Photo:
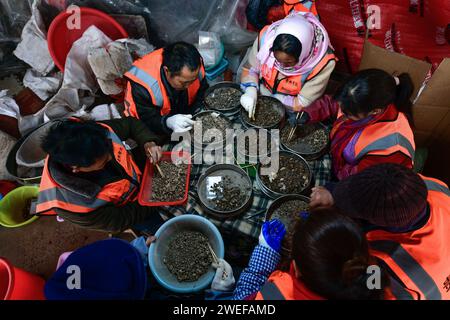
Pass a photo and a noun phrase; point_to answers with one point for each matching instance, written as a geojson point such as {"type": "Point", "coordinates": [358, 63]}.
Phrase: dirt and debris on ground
{"type": "Point", "coordinates": [188, 256]}
{"type": "Point", "coordinates": [172, 186]}
{"type": "Point", "coordinates": [37, 246]}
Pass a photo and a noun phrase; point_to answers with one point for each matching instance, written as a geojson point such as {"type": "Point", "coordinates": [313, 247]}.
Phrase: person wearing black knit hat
{"type": "Point", "coordinates": [389, 196]}
{"type": "Point", "coordinates": [407, 220]}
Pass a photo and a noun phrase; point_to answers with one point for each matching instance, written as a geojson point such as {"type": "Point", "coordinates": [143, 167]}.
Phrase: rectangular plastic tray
{"type": "Point", "coordinates": [145, 193]}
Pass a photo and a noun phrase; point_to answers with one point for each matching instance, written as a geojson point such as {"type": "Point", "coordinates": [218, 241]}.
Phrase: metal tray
{"type": "Point", "coordinates": [240, 179]}
{"type": "Point", "coordinates": [273, 194]}
{"type": "Point", "coordinates": [277, 105]}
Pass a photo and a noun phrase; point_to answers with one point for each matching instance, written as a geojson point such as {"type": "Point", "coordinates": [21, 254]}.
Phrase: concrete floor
{"type": "Point", "coordinates": [37, 246]}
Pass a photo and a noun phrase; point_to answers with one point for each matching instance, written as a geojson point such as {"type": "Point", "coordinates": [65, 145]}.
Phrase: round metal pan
{"type": "Point", "coordinates": [273, 194]}
{"type": "Point", "coordinates": [214, 143]}
{"type": "Point", "coordinates": [303, 149]}
{"type": "Point", "coordinates": [277, 105]}
{"type": "Point", "coordinates": [224, 84]}
{"type": "Point", "coordinates": [276, 204]}
{"type": "Point", "coordinates": [239, 179]}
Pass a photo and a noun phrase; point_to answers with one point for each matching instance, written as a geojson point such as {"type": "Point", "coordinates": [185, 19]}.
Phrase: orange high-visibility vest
{"type": "Point", "coordinates": [289, 85]}
{"type": "Point", "coordinates": [383, 138]}
{"type": "Point", "coordinates": [300, 6]}
{"type": "Point", "coordinates": [53, 196]}
{"type": "Point", "coordinates": [420, 259]}
{"type": "Point", "coordinates": [147, 72]}
{"type": "Point", "coordinates": [285, 286]}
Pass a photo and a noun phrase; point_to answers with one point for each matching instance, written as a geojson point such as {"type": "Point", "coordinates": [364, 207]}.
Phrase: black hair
{"type": "Point", "coordinates": [73, 143]}
{"type": "Point", "coordinates": [374, 88]}
{"type": "Point", "coordinates": [288, 44]}
{"type": "Point", "coordinates": [181, 54]}
{"type": "Point", "coordinates": [332, 255]}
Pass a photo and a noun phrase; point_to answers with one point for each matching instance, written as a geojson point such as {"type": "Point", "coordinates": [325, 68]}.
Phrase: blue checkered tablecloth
{"type": "Point", "coordinates": [249, 223]}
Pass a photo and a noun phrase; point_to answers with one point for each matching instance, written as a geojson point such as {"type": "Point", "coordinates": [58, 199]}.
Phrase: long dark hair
{"type": "Point", "coordinates": [332, 255]}
{"type": "Point", "coordinates": [374, 88]}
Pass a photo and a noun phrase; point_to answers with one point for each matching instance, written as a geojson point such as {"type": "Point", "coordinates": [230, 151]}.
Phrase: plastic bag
{"type": "Point", "coordinates": [129, 7]}
{"type": "Point", "coordinates": [42, 86]}
{"type": "Point", "coordinates": [79, 84]}
{"type": "Point", "coordinates": [182, 20]}
{"type": "Point", "coordinates": [230, 22]}
{"type": "Point", "coordinates": [210, 48]}
{"type": "Point", "coordinates": [8, 105]}
{"type": "Point", "coordinates": [177, 20]}
{"type": "Point", "coordinates": [13, 17]}
{"type": "Point", "coordinates": [34, 35]}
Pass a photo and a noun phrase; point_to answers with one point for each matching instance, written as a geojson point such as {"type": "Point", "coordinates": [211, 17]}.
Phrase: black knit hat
{"type": "Point", "coordinates": [385, 195]}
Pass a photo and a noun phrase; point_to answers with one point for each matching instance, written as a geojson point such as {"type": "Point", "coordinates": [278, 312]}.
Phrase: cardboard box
{"type": "Point", "coordinates": [431, 110]}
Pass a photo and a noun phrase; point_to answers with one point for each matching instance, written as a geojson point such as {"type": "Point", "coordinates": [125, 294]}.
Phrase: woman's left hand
{"type": "Point", "coordinates": [153, 151]}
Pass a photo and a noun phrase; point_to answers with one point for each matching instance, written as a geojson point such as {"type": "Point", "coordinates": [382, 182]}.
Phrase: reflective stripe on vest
{"type": "Point", "coordinates": [52, 196]}
{"type": "Point", "coordinates": [270, 291]}
{"type": "Point", "coordinates": [300, 6]}
{"type": "Point", "coordinates": [410, 266]}
{"type": "Point", "coordinates": [151, 83]}
{"type": "Point", "coordinates": [420, 259]}
{"type": "Point", "coordinates": [147, 73]}
{"type": "Point", "coordinates": [381, 138]}
{"type": "Point", "coordinates": [398, 291]}
{"type": "Point", "coordinates": [435, 186]}
{"type": "Point", "coordinates": [389, 141]}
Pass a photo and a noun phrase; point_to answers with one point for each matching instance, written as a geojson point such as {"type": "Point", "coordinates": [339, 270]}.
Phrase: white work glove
{"type": "Point", "coordinates": [224, 278]}
{"type": "Point", "coordinates": [248, 101]}
{"type": "Point", "coordinates": [180, 122]}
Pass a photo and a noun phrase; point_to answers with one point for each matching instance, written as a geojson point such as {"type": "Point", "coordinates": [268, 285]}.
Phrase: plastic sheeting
{"type": "Point", "coordinates": [183, 19]}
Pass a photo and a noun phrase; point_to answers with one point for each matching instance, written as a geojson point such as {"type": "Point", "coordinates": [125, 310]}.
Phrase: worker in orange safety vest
{"type": "Point", "coordinates": [90, 178]}
{"type": "Point", "coordinates": [330, 261]}
{"type": "Point", "coordinates": [166, 87]}
{"type": "Point", "coordinates": [407, 220]}
{"type": "Point", "coordinates": [292, 61]}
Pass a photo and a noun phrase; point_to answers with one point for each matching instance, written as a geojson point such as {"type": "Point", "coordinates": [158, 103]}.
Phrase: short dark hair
{"type": "Point", "coordinates": [375, 88]}
{"type": "Point", "coordinates": [181, 54]}
{"type": "Point", "coordinates": [74, 143]}
{"type": "Point", "coordinates": [332, 255]}
{"type": "Point", "coordinates": [288, 44]}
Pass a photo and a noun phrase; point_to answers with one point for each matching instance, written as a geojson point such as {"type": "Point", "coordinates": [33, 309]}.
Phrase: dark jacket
{"type": "Point", "coordinates": [111, 218]}
{"type": "Point", "coordinates": [151, 114]}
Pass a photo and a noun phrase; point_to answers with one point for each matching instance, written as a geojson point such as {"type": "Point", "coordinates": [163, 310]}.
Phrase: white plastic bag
{"type": "Point", "coordinates": [33, 48]}
{"type": "Point", "coordinates": [210, 48]}
{"type": "Point", "coordinates": [42, 86]}
{"type": "Point", "coordinates": [79, 84]}
{"type": "Point", "coordinates": [8, 105]}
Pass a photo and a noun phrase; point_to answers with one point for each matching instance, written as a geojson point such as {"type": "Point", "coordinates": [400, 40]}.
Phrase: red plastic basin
{"type": "Point", "coordinates": [60, 38]}
{"type": "Point", "coordinates": [17, 284]}
{"type": "Point", "coordinates": [145, 194]}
